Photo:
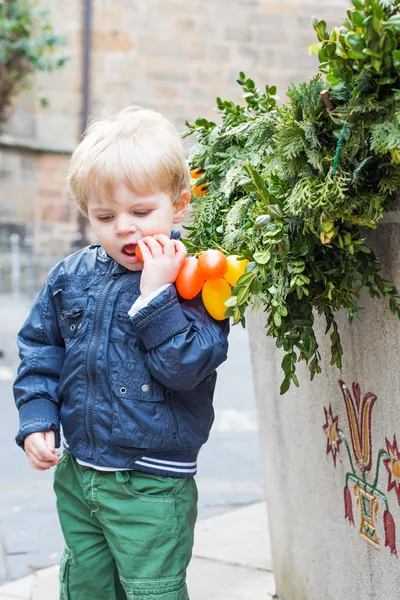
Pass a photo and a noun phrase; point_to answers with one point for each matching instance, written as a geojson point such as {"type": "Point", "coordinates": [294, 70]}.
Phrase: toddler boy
{"type": "Point", "coordinates": [112, 354]}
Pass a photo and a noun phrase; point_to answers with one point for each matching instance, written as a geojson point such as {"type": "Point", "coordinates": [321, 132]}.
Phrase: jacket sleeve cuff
{"type": "Point", "coordinates": [38, 415]}
{"type": "Point", "coordinates": [160, 320]}
{"type": "Point", "coordinates": [142, 302]}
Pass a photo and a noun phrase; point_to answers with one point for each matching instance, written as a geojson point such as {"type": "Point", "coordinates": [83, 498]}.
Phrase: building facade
{"type": "Point", "coordinates": [173, 56]}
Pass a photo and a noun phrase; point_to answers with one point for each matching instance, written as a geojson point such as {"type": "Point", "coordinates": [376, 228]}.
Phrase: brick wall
{"type": "Point", "coordinates": [175, 56]}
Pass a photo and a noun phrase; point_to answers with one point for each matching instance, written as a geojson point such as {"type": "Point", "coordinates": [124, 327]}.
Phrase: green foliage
{"type": "Point", "coordinates": [27, 44]}
{"type": "Point", "coordinates": [294, 188]}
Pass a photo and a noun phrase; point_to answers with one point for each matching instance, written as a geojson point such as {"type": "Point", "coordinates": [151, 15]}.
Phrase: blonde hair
{"type": "Point", "coordinates": [137, 147]}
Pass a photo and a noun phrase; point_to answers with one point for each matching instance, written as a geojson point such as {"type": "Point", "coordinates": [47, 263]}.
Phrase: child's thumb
{"type": "Point", "coordinates": [50, 440]}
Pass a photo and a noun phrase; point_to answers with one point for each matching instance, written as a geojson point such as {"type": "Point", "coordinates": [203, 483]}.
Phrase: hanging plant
{"type": "Point", "coordinates": [294, 189]}
{"type": "Point", "coordinates": [27, 44]}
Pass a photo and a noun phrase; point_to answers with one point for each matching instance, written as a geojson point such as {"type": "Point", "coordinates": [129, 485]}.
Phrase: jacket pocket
{"type": "Point", "coordinates": [140, 413]}
{"type": "Point", "coordinates": [73, 318]}
{"type": "Point", "coordinates": [122, 330]}
{"type": "Point", "coordinates": [137, 424]}
{"type": "Point", "coordinates": [131, 380]}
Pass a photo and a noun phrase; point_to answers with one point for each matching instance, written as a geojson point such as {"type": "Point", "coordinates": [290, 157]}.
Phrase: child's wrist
{"type": "Point", "coordinates": [150, 290]}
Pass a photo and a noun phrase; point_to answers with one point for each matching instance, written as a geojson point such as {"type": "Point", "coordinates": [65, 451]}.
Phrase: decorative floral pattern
{"type": "Point", "coordinates": [392, 464]}
{"type": "Point", "coordinates": [331, 430]}
{"type": "Point", "coordinates": [368, 495]}
{"type": "Point", "coordinates": [359, 415]}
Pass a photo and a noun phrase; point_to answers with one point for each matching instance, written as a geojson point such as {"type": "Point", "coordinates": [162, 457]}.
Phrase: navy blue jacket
{"type": "Point", "coordinates": [130, 392]}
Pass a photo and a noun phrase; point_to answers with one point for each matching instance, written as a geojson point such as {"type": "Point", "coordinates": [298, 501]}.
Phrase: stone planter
{"type": "Point", "coordinates": [313, 477]}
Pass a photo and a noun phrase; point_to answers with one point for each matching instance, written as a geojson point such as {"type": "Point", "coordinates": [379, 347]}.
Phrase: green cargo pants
{"type": "Point", "coordinates": [128, 535]}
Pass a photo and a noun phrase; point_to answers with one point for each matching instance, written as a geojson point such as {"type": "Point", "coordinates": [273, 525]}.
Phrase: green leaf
{"type": "Point", "coordinates": [262, 258]}
{"type": "Point", "coordinates": [245, 279]}
{"type": "Point", "coordinates": [285, 385]}
{"type": "Point", "coordinates": [396, 59]}
{"type": "Point", "coordinates": [232, 301]}
{"type": "Point", "coordinates": [369, 52]}
{"type": "Point", "coordinates": [256, 287]}
{"type": "Point", "coordinates": [355, 42]}
{"type": "Point", "coordinates": [356, 55]}
{"type": "Point", "coordinates": [237, 315]}
{"type": "Point", "coordinates": [287, 363]}
{"type": "Point", "coordinates": [230, 311]}
{"type": "Point", "coordinates": [243, 295]}
{"type": "Point", "coordinates": [262, 221]}
{"type": "Point", "coordinates": [357, 17]}
{"type": "Point", "coordinates": [314, 49]}
{"type": "Point", "coordinates": [275, 211]}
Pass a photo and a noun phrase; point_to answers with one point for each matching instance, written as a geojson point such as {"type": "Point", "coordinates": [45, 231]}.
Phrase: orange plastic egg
{"type": "Point", "coordinates": [190, 280]}
{"type": "Point", "coordinates": [212, 264]}
{"type": "Point", "coordinates": [138, 253]}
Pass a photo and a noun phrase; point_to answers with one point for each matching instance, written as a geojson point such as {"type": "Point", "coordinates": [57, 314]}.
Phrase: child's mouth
{"type": "Point", "coordinates": [129, 252]}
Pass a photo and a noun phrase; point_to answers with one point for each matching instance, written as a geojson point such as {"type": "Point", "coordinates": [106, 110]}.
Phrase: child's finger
{"type": "Point", "coordinates": [40, 465]}
{"type": "Point", "coordinates": [31, 452]}
{"type": "Point", "coordinates": [50, 439]}
{"type": "Point", "coordinates": [155, 247]}
{"type": "Point", "coordinates": [146, 254]}
{"type": "Point", "coordinates": [167, 244]}
{"type": "Point", "coordinates": [40, 446]}
{"type": "Point", "coordinates": [34, 454]}
{"type": "Point", "coordinates": [180, 251]}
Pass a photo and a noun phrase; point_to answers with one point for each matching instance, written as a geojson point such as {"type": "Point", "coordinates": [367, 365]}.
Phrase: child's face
{"type": "Point", "coordinates": [120, 223]}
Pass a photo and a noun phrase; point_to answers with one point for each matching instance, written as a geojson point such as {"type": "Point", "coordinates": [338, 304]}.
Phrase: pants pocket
{"type": "Point", "coordinates": [65, 563]}
{"type": "Point", "coordinates": [160, 589]}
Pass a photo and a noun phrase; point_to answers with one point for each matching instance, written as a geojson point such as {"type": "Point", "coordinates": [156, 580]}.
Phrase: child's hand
{"type": "Point", "coordinates": [40, 450]}
{"type": "Point", "coordinates": [163, 259]}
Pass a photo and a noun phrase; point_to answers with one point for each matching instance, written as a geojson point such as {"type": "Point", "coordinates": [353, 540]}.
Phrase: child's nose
{"type": "Point", "coordinates": [124, 225]}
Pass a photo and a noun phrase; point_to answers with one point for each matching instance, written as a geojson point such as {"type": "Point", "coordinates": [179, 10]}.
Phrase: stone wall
{"type": "Point", "coordinates": [174, 56]}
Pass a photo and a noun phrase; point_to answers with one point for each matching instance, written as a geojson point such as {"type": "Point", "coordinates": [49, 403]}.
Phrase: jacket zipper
{"type": "Point", "coordinates": [172, 416]}
{"type": "Point", "coordinates": [91, 361]}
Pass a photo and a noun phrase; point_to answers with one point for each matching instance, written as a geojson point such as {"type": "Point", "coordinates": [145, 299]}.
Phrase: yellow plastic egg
{"type": "Point", "coordinates": [215, 293]}
{"type": "Point", "coordinates": [235, 268]}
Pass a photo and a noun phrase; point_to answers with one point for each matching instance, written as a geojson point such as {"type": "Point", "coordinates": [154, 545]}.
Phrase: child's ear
{"type": "Point", "coordinates": [180, 206]}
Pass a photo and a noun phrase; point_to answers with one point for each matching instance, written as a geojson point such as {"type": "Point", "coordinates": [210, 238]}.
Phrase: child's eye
{"type": "Point", "coordinates": [105, 219]}
{"type": "Point", "coordinates": [142, 213]}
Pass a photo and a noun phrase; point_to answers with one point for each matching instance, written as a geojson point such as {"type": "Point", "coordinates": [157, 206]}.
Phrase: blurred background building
{"type": "Point", "coordinates": [174, 56]}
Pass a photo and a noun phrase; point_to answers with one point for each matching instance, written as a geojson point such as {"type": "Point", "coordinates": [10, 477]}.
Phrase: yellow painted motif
{"type": "Point", "coordinates": [395, 469]}
{"type": "Point", "coordinates": [369, 505]}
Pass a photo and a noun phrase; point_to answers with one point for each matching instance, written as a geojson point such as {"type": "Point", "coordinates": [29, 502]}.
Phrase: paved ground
{"type": "Point", "coordinates": [229, 466]}
{"type": "Point", "coordinates": [231, 561]}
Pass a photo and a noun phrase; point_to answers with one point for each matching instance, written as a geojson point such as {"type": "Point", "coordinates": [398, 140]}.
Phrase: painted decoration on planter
{"type": "Point", "coordinates": [392, 464]}
{"type": "Point", "coordinates": [368, 496]}
{"type": "Point", "coordinates": [359, 415]}
{"type": "Point", "coordinates": [331, 430]}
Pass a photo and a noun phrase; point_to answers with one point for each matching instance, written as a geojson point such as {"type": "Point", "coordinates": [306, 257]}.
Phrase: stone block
{"type": "Point", "coordinates": [280, 8]}
{"type": "Point", "coordinates": [112, 41]}
{"type": "Point", "coordinates": [149, 44]}
{"type": "Point", "coordinates": [267, 19]}
{"type": "Point", "coordinates": [269, 36]}
{"type": "Point", "coordinates": [237, 34]}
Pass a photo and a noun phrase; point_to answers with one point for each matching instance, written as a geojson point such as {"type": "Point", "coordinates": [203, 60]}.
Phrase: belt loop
{"type": "Point", "coordinates": [122, 476]}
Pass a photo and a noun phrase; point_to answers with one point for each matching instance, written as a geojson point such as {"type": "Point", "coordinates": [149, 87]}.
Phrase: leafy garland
{"type": "Point", "coordinates": [294, 188]}
{"type": "Point", "coordinates": [27, 44]}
